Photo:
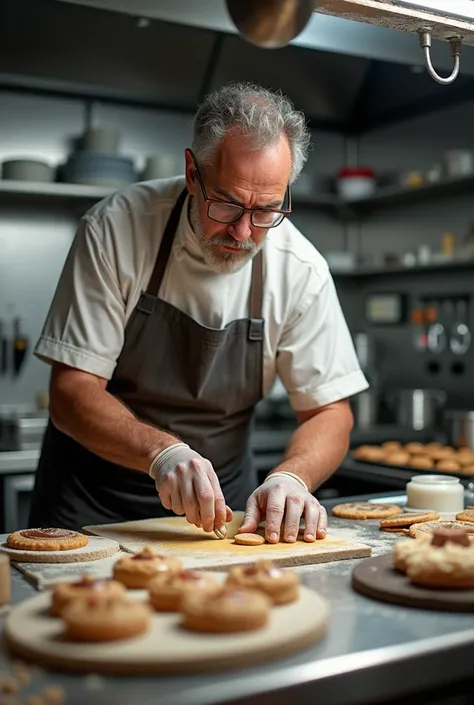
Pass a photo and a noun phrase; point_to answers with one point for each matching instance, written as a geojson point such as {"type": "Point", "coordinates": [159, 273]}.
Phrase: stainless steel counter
{"type": "Point", "coordinates": [373, 652]}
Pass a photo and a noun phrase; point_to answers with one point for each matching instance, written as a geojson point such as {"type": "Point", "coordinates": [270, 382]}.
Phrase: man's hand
{"type": "Point", "coordinates": [282, 500]}
{"type": "Point", "coordinates": [187, 484]}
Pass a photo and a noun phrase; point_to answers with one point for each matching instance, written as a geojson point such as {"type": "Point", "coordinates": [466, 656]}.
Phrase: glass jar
{"type": "Point", "coordinates": [439, 493]}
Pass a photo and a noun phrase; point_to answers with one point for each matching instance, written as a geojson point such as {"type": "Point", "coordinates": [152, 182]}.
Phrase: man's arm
{"type": "Point", "coordinates": [81, 407]}
{"type": "Point", "coordinates": [319, 444]}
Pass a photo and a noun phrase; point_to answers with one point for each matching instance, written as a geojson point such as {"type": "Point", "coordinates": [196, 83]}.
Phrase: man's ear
{"type": "Point", "coordinates": [190, 172]}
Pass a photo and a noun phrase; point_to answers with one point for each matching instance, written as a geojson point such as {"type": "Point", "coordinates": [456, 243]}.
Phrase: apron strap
{"type": "Point", "coordinates": [256, 291]}
{"type": "Point", "coordinates": [166, 245]}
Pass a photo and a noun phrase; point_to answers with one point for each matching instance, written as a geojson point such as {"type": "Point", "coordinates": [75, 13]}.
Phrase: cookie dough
{"type": "Point", "coordinates": [135, 572]}
{"type": "Point", "coordinates": [466, 515]}
{"type": "Point", "coordinates": [281, 586]}
{"type": "Point", "coordinates": [167, 590]}
{"type": "Point", "coordinates": [65, 593]}
{"type": "Point", "coordinates": [249, 539]}
{"type": "Point", "coordinates": [446, 562]}
{"type": "Point", "coordinates": [230, 610]}
{"type": "Point", "coordinates": [50, 539]}
{"type": "Point", "coordinates": [365, 510]}
{"type": "Point", "coordinates": [430, 527]}
{"type": "Point", "coordinates": [95, 619]}
{"type": "Point", "coordinates": [407, 519]}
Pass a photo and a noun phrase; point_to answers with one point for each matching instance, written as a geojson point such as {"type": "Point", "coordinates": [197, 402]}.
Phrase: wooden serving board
{"type": "Point", "coordinates": [34, 634]}
{"type": "Point", "coordinates": [198, 549]}
{"type": "Point", "coordinates": [379, 579]}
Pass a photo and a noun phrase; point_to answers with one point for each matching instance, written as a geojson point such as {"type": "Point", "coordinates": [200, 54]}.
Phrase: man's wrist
{"type": "Point", "coordinates": [281, 472]}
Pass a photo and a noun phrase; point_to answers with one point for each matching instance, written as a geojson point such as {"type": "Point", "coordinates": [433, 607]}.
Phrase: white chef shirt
{"type": "Point", "coordinates": [307, 343]}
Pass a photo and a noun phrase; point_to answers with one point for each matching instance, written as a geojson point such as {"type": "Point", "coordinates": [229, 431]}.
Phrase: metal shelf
{"type": "Point", "coordinates": [53, 190]}
{"type": "Point", "coordinates": [400, 269]}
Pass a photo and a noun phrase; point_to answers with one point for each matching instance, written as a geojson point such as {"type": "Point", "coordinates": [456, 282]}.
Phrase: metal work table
{"type": "Point", "coordinates": [373, 653]}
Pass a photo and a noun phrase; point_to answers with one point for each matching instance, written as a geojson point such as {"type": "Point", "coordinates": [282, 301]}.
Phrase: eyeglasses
{"type": "Point", "coordinates": [224, 212]}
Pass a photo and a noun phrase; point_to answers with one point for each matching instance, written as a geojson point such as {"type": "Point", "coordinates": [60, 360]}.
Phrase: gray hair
{"type": "Point", "coordinates": [259, 114]}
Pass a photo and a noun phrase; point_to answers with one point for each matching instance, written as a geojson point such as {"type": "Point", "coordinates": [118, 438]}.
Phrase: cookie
{"type": "Point", "coordinates": [394, 530]}
{"type": "Point", "coordinates": [281, 586]}
{"type": "Point", "coordinates": [46, 540]}
{"type": "Point", "coordinates": [403, 550]}
{"type": "Point", "coordinates": [447, 561]}
{"type": "Point", "coordinates": [448, 465]}
{"type": "Point", "coordinates": [249, 539]}
{"type": "Point", "coordinates": [421, 462]}
{"type": "Point", "coordinates": [466, 515]}
{"type": "Point", "coordinates": [464, 458]}
{"type": "Point", "coordinates": [65, 593]}
{"type": "Point", "coordinates": [96, 620]}
{"type": "Point", "coordinates": [135, 572]}
{"type": "Point", "coordinates": [391, 446]}
{"type": "Point", "coordinates": [398, 457]}
{"type": "Point", "coordinates": [468, 469]}
{"type": "Point", "coordinates": [365, 510]}
{"type": "Point", "coordinates": [430, 527]}
{"type": "Point", "coordinates": [407, 519]}
{"type": "Point", "coordinates": [230, 610]}
{"type": "Point", "coordinates": [442, 453]}
{"type": "Point", "coordinates": [415, 448]}
{"type": "Point", "coordinates": [167, 590]}
{"type": "Point", "coordinates": [372, 454]}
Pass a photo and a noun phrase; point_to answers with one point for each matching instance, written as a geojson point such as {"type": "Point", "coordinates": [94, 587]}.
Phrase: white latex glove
{"type": "Point", "coordinates": [187, 484]}
{"type": "Point", "coordinates": [282, 499]}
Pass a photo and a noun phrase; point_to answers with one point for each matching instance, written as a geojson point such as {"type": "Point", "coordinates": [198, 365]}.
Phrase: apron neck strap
{"type": "Point", "coordinates": [164, 252]}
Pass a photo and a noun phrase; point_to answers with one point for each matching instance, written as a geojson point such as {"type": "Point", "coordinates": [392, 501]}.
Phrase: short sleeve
{"type": "Point", "coordinates": [316, 360]}
{"type": "Point", "coordinates": [85, 324]}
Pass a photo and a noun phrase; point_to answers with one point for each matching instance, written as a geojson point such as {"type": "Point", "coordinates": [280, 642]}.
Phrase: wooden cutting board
{"type": "Point", "coordinates": [198, 549]}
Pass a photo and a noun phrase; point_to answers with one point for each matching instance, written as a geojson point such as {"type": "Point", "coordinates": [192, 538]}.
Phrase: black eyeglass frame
{"type": "Point", "coordinates": [209, 201]}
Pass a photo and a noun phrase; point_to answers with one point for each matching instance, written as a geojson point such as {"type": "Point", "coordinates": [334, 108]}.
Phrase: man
{"type": "Point", "coordinates": [179, 303]}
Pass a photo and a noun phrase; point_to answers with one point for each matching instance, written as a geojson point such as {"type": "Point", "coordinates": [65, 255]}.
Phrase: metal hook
{"type": "Point", "coordinates": [425, 43]}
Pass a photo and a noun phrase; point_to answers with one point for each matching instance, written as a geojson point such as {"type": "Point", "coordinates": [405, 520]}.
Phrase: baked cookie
{"type": "Point", "coordinates": [468, 469]}
{"type": "Point", "coordinates": [136, 571]}
{"type": "Point", "coordinates": [365, 510]}
{"type": "Point", "coordinates": [96, 619]}
{"type": "Point", "coordinates": [408, 518]}
{"type": "Point", "coordinates": [448, 465]}
{"type": "Point", "coordinates": [230, 609]}
{"type": "Point", "coordinates": [464, 458]}
{"type": "Point", "coordinates": [167, 590]}
{"type": "Point", "coordinates": [281, 586]}
{"type": "Point", "coordinates": [466, 515]}
{"type": "Point", "coordinates": [249, 539]}
{"type": "Point", "coordinates": [397, 457]}
{"type": "Point", "coordinates": [415, 448]}
{"type": "Point", "coordinates": [421, 462]}
{"type": "Point", "coordinates": [46, 540]}
{"type": "Point", "coordinates": [442, 453]}
{"type": "Point", "coordinates": [64, 593]}
{"type": "Point", "coordinates": [447, 562]}
{"type": "Point", "coordinates": [404, 549]}
{"type": "Point", "coordinates": [433, 445]}
{"type": "Point", "coordinates": [391, 446]}
{"type": "Point", "coordinates": [372, 454]}
{"type": "Point", "coordinates": [430, 527]}
{"type": "Point", "coordinates": [395, 530]}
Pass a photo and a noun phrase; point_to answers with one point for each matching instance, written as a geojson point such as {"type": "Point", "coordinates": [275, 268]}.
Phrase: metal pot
{"type": "Point", "coordinates": [459, 426]}
{"type": "Point", "coordinates": [419, 408]}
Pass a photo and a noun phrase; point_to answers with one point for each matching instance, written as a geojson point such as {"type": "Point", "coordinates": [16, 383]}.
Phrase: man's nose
{"type": "Point", "coordinates": [241, 230]}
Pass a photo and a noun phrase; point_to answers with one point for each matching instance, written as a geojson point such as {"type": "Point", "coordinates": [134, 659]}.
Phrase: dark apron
{"type": "Point", "coordinates": [199, 383]}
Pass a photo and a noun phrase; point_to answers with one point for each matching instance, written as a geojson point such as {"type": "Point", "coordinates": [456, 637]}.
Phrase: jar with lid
{"type": "Point", "coordinates": [438, 493]}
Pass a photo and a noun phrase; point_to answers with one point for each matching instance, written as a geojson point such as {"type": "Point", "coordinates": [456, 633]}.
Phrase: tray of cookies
{"type": "Point", "coordinates": [422, 457]}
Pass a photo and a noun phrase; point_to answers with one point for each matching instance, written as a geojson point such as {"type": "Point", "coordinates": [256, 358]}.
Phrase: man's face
{"type": "Point", "coordinates": [238, 175]}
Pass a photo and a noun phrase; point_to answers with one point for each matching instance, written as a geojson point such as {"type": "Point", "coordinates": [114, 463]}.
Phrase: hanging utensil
{"type": "Point", "coordinates": [270, 24]}
{"type": "Point", "coordinates": [20, 346]}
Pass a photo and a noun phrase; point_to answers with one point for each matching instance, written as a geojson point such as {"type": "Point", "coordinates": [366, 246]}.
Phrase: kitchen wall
{"type": "Point", "coordinates": [35, 235]}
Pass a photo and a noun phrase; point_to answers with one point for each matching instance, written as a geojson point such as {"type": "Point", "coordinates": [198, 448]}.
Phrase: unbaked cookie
{"type": "Point", "coordinates": [408, 518]}
{"type": "Point", "coordinates": [466, 515]}
{"type": "Point", "coordinates": [46, 540]}
{"type": "Point", "coordinates": [65, 593]}
{"type": "Point", "coordinates": [421, 462]}
{"type": "Point", "coordinates": [430, 527]}
{"type": "Point", "coordinates": [231, 609]}
{"type": "Point", "coordinates": [167, 590]}
{"type": "Point", "coordinates": [365, 510]}
{"type": "Point", "coordinates": [281, 586]}
{"type": "Point", "coordinates": [95, 619]}
{"type": "Point", "coordinates": [249, 539]}
{"type": "Point", "coordinates": [447, 562]}
{"type": "Point", "coordinates": [136, 571]}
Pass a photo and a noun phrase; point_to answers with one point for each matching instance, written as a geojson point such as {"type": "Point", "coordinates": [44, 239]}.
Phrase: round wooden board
{"type": "Point", "coordinates": [31, 632]}
{"type": "Point", "coordinates": [378, 578]}
{"type": "Point", "coordinates": [97, 548]}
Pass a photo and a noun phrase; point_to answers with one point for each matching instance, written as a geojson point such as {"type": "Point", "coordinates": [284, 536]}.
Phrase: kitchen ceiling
{"type": "Point", "coordinates": [96, 49]}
